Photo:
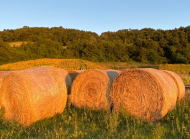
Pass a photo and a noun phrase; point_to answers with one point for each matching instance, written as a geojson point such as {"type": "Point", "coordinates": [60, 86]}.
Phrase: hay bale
{"type": "Point", "coordinates": [75, 73]}
{"type": "Point", "coordinates": [144, 93]}
{"type": "Point", "coordinates": [34, 94]}
{"type": "Point", "coordinates": [3, 75]}
{"type": "Point", "coordinates": [179, 83]}
{"type": "Point", "coordinates": [91, 89]}
{"type": "Point", "coordinates": [59, 73]}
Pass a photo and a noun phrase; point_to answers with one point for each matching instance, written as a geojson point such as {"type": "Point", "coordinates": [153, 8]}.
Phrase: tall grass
{"type": "Point", "coordinates": [181, 69]}
{"type": "Point", "coordinates": [85, 123]}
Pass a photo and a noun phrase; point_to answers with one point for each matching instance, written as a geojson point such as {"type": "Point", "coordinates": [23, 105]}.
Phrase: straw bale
{"type": "Point", "coordinates": [75, 73]}
{"type": "Point", "coordinates": [144, 93]}
{"type": "Point", "coordinates": [34, 94]}
{"type": "Point", "coordinates": [64, 74]}
{"type": "Point", "coordinates": [91, 89]}
{"type": "Point", "coordinates": [179, 83]}
{"type": "Point", "coordinates": [3, 75]}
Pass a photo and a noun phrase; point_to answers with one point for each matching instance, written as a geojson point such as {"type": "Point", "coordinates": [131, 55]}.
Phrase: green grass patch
{"type": "Point", "coordinates": [85, 123]}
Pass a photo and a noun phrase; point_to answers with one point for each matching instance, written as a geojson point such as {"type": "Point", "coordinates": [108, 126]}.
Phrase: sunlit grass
{"type": "Point", "coordinates": [68, 64]}
{"type": "Point", "coordinates": [181, 69]}
{"type": "Point", "coordinates": [85, 123]}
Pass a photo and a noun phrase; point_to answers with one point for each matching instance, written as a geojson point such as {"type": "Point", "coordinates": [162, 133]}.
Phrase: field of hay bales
{"type": "Point", "coordinates": [84, 122]}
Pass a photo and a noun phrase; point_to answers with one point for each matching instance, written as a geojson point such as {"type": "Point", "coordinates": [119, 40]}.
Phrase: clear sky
{"type": "Point", "coordinates": [95, 15]}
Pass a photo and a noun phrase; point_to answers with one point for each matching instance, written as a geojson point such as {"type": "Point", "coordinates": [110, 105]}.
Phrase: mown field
{"type": "Point", "coordinates": [86, 123]}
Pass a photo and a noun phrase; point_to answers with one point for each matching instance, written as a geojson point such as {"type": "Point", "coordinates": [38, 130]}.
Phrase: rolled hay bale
{"type": "Point", "coordinates": [65, 75]}
{"type": "Point", "coordinates": [75, 73]}
{"type": "Point", "coordinates": [179, 83]}
{"type": "Point", "coordinates": [91, 89]}
{"type": "Point", "coordinates": [3, 75]}
{"type": "Point", "coordinates": [144, 93]}
{"type": "Point", "coordinates": [34, 94]}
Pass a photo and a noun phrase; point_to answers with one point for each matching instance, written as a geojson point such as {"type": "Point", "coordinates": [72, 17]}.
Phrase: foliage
{"type": "Point", "coordinates": [146, 45]}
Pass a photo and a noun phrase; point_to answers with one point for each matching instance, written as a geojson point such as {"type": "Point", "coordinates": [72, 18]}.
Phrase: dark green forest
{"type": "Point", "coordinates": [146, 45]}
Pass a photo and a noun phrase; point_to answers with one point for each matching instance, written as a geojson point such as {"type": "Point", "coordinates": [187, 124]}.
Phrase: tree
{"type": "Point", "coordinates": [143, 56]}
{"type": "Point", "coordinates": [155, 58]}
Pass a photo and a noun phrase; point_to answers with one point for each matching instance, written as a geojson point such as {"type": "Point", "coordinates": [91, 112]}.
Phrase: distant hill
{"type": "Point", "coordinates": [146, 45]}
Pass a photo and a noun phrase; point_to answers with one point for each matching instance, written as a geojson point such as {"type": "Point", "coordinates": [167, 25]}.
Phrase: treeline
{"type": "Point", "coordinates": [146, 45]}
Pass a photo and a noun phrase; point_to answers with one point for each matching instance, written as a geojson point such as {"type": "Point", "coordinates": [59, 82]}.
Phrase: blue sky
{"type": "Point", "coordinates": [95, 15]}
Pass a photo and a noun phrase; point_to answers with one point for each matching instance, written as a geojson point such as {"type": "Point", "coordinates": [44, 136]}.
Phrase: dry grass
{"type": "Point", "coordinates": [67, 64]}
{"type": "Point", "coordinates": [91, 89]}
{"type": "Point", "coordinates": [34, 94]}
{"type": "Point", "coordinates": [144, 93]}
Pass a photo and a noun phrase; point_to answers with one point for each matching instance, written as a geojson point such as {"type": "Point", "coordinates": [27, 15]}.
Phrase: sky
{"type": "Point", "coordinates": [95, 15]}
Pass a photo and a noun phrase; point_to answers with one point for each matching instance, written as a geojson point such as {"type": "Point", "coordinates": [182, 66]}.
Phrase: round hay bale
{"type": "Point", "coordinates": [179, 83]}
{"type": "Point", "coordinates": [3, 75]}
{"type": "Point", "coordinates": [144, 93]}
{"type": "Point", "coordinates": [75, 73]}
{"type": "Point", "coordinates": [34, 94]}
{"type": "Point", "coordinates": [91, 89]}
{"type": "Point", "coordinates": [64, 75]}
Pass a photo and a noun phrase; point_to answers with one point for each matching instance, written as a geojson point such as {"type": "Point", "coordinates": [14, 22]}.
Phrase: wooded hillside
{"type": "Point", "coordinates": [146, 45]}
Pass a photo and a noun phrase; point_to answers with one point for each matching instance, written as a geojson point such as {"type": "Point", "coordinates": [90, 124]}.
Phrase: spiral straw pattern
{"type": "Point", "coordinates": [91, 89]}
{"type": "Point", "coordinates": [144, 93]}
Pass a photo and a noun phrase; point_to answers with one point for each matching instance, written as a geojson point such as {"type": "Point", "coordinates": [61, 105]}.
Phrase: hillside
{"type": "Point", "coordinates": [146, 45]}
{"type": "Point", "coordinates": [68, 64]}
{"type": "Point", "coordinates": [77, 64]}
